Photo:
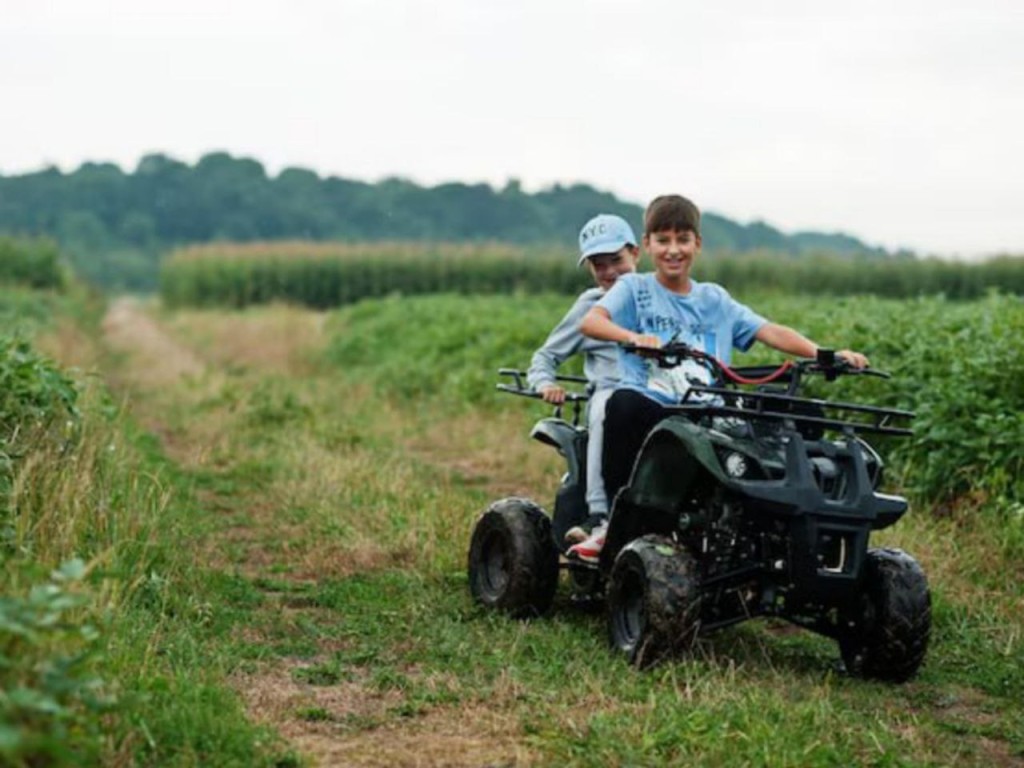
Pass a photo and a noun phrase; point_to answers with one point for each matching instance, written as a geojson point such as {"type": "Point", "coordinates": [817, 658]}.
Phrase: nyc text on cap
{"type": "Point", "coordinates": [605, 233]}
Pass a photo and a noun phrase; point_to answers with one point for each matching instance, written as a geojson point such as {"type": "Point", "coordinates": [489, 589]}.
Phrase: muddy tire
{"type": "Point", "coordinates": [893, 623]}
{"type": "Point", "coordinates": [653, 600]}
{"type": "Point", "coordinates": [513, 563]}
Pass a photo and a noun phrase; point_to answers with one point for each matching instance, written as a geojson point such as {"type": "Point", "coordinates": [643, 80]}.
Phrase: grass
{"type": "Point", "coordinates": [375, 501]}
{"type": "Point", "coordinates": [305, 577]}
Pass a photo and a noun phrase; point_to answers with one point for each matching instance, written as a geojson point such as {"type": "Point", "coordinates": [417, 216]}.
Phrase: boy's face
{"type": "Point", "coordinates": [673, 252]}
{"type": "Point", "coordinates": [606, 267]}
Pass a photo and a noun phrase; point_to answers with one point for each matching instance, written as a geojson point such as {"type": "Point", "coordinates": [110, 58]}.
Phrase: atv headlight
{"type": "Point", "coordinates": [739, 465]}
{"type": "Point", "coordinates": [736, 464]}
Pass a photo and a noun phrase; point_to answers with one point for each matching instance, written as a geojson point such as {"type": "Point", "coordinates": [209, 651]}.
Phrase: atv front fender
{"type": "Point", "coordinates": [672, 457]}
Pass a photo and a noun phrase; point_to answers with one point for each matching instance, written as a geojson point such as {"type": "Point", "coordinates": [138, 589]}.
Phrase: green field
{"type": "Point", "coordinates": [263, 516]}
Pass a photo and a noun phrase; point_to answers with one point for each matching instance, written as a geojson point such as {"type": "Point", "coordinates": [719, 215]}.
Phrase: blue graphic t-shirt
{"type": "Point", "coordinates": [706, 318]}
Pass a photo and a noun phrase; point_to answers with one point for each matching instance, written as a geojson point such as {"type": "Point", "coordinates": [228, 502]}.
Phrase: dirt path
{"type": "Point", "coordinates": [156, 358]}
{"type": "Point", "coordinates": [164, 380]}
{"type": "Point", "coordinates": [157, 375]}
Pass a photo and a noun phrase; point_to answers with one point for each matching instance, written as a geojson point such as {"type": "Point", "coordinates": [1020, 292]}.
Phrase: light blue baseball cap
{"type": "Point", "coordinates": [605, 233]}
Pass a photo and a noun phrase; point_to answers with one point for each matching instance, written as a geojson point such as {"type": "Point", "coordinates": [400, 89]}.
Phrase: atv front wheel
{"type": "Point", "coordinates": [513, 563]}
{"type": "Point", "coordinates": [890, 635]}
{"type": "Point", "coordinates": [653, 600]}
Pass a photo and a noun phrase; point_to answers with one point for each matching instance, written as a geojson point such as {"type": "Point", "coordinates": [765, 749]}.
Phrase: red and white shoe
{"type": "Point", "coordinates": [580, 533]}
{"type": "Point", "coordinates": [589, 550]}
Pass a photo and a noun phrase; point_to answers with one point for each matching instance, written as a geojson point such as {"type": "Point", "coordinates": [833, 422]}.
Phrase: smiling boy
{"type": "Point", "coordinates": [650, 309]}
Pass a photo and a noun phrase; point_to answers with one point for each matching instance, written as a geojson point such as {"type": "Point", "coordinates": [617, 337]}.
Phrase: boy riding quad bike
{"type": "Point", "coordinates": [747, 500]}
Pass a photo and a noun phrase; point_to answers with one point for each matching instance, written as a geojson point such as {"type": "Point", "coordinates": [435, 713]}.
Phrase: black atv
{"type": "Point", "coordinates": [748, 500]}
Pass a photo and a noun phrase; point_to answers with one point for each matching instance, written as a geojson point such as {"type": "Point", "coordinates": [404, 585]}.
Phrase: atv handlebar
{"type": "Point", "coordinates": [829, 363]}
{"type": "Point", "coordinates": [826, 363]}
{"type": "Point", "coordinates": [777, 403]}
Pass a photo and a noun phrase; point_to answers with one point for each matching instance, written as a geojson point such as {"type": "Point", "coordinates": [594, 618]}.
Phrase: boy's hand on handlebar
{"type": "Point", "coordinates": [552, 393]}
{"type": "Point", "coordinates": [646, 341]}
{"type": "Point", "coordinates": [856, 359]}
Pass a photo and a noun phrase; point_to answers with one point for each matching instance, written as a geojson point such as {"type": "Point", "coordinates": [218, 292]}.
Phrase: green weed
{"type": "Point", "coordinates": [31, 262]}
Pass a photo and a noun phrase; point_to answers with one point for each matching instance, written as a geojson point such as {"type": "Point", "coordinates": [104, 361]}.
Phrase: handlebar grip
{"type": "Point", "coordinates": [570, 397]}
{"type": "Point", "coordinates": [873, 372]}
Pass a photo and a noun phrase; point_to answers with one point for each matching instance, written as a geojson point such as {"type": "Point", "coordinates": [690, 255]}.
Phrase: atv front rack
{"type": "Point", "coordinates": [782, 404]}
{"type": "Point", "coordinates": [795, 411]}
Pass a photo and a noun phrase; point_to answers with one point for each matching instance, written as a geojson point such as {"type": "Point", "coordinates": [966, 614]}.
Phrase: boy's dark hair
{"type": "Point", "coordinates": [671, 212]}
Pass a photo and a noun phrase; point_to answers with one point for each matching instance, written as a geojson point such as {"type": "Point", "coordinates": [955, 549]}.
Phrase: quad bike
{"type": "Point", "coordinates": [747, 500]}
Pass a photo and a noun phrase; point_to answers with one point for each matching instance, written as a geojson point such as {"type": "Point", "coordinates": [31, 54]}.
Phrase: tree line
{"type": "Point", "coordinates": [116, 225]}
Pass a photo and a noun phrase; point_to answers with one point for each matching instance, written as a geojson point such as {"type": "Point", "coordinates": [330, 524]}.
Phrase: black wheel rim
{"type": "Point", "coordinates": [494, 571]}
{"type": "Point", "coordinates": [630, 616]}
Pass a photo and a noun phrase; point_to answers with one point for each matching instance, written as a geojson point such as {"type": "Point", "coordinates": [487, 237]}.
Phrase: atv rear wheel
{"type": "Point", "coordinates": [890, 636]}
{"type": "Point", "coordinates": [513, 563]}
{"type": "Point", "coordinates": [653, 600]}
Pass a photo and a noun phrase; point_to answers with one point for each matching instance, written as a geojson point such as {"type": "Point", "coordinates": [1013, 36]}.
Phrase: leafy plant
{"type": "Point", "coordinates": [50, 699]}
{"type": "Point", "coordinates": [35, 397]}
{"type": "Point", "coordinates": [32, 388]}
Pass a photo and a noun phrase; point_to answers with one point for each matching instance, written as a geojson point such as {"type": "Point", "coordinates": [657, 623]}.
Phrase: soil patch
{"type": "Point", "coordinates": [354, 724]}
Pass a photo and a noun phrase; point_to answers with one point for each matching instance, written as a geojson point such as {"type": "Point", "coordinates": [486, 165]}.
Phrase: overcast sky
{"type": "Point", "coordinates": [898, 121]}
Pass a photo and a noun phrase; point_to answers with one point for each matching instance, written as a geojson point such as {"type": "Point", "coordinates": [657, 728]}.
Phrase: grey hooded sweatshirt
{"type": "Point", "coordinates": [600, 358]}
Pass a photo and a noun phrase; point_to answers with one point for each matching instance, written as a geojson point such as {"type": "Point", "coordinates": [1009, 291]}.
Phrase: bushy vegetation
{"type": "Point", "coordinates": [442, 348]}
{"type": "Point", "coordinates": [115, 225]}
{"type": "Point", "coordinates": [22, 312]}
{"type": "Point", "coordinates": [91, 618]}
{"type": "Point", "coordinates": [30, 262]}
{"type": "Point", "coordinates": [51, 701]}
{"type": "Point", "coordinates": [958, 365]}
{"type": "Point", "coordinates": [33, 391]}
{"type": "Point", "coordinates": [331, 275]}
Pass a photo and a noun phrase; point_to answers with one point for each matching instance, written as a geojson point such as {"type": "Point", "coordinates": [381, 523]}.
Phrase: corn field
{"type": "Point", "coordinates": [324, 275]}
{"type": "Point", "coordinates": [329, 275]}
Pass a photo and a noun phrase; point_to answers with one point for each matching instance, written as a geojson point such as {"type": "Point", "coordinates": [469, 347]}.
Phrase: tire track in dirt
{"type": "Point", "coordinates": [156, 357]}
{"type": "Point", "coordinates": [149, 371]}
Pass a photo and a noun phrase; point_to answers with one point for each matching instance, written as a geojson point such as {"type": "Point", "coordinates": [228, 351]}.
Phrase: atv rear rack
{"type": "Point", "coordinates": [519, 387]}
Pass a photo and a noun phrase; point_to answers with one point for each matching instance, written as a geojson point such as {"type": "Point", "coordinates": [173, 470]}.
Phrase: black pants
{"type": "Point", "coordinates": [628, 418]}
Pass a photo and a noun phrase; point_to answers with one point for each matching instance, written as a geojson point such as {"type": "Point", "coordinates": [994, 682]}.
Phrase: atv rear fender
{"type": "Point", "coordinates": [570, 500]}
{"type": "Point", "coordinates": [568, 440]}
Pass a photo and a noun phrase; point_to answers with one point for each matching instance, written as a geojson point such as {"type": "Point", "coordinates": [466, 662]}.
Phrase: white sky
{"type": "Point", "coordinates": [898, 121]}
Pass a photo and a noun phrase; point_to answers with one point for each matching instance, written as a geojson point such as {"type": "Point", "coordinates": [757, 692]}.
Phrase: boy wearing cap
{"type": "Point", "coordinates": [649, 310]}
{"type": "Point", "coordinates": [609, 249]}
